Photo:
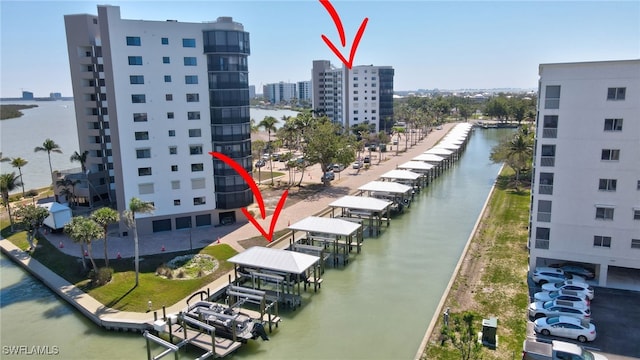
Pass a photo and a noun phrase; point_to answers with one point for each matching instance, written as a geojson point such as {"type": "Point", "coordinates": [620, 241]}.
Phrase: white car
{"type": "Point", "coordinates": [357, 165]}
{"type": "Point", "coordinates": [565, 326]}
{"type": "Point", "coordinates": [570, 285]}
{"type": "Point", "coordinates": [566, 295]}
{"type": "Point", "coordinates": [552, 308]}
{"type": "Point", "coordinates": [543, 275]}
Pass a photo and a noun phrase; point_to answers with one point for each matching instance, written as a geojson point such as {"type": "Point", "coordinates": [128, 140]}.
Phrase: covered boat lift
{"type": "Point", "coordinates": [435, 160]}
{"type": "Point", "coordinates": [363, 207]}
{"type": "Point", "coordinates": [282, 269]}
{"type": "Point", "coordinates": [405, 177]}
{"type": "Point", "coordinates": [420, 167]}
{"type": "Point", "coordinates": [401, 195]}
{"type": "Point", "coordinates": [444, 153]}
{"type": "Point", "coordinates": [327, 236]}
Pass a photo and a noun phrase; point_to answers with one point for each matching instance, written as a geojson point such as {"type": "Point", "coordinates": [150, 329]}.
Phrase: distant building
{"type": "Point", "coordinates": [362, 95]}
{"type": "Point", "coordinates": [152, 99]}
{"type": "Point", "coordinates": [27, 95]}
{"type": "Point", "coordinates": [252, 91]}
{"type": "Point", "coordinates": [304, 90]}
{"type": "Point", "coordinates": [279, 92]}
{"type": "Point", "coordinates": [55, 95]}
{"type": "Point", "coordinates": [585, 196]}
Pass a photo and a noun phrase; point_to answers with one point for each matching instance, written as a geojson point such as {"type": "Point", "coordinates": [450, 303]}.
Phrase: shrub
{"type": "Point", "coordinates": [103, 276]}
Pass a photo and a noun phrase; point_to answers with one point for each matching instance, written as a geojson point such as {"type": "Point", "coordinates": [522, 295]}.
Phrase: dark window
{"type": "Point", "coordinates": [604, 213]}
{"type": "Point", "coordinates": [135, 60]}
{"type": "Point", "coordinates": [612, 124]}
{"type": "Point", "coordinates": [552, 97]}
{"type": "Point", "coordinates": [176, 202]}
{"type": "Point", "coordinates": [190, 61]}
{"type": "Point", "coordinates": [197, 167]}
{"type": "Point", "coordinates": [168, 97]}
{"type": "Point", "coordinates": [193, 97]}
{"type": "Point", "coordinates": [146, 171]}
{"type": "Point", "coordinates": [189, 43]}
{"type": "Point", "coordinates": [542, 237]}
{"type": "Point", "coordinates": [143, 153]}
{"type": "Point", "coordinates": [166, 60]}
{"type": "Point", "coordinates": [191, 79]}
{"type": "Point", "coordinates": [138, 98]}
{"type": "Point", "coordinates": [174, 168]}
{"type": "Point", "coordinates": [610, 155]}
{"type": "Point", "coordinates": [164, 41]}
{"type": "Point", "coordinates": [602, 241]}
{"type": "Point", "coordinates": [199, 200]}
{"type": "Point", "coordinates": [172, 133]}
{"type": "Point", "coordinates": [140, 117]}
{"type": "Point", "coordinates": [607, 184]}
{"type": "Point", "coordinates": [195, 132]}
{"type": "Point", "coordinates": [167, 78]}
{"type": "Point", "coordinates": [136, 79]}
{"type": "Point", "coordinates": [142, 135]}
{"type": "Point", "coordinates": [170, 115]}
{"type": "Point", "coordinates": [616, 93]}
{"type": "Point", "coordinates": [635, 243]}
{"type": "Point", "coordinates": [173, 150]}
{"type": "Point", "coordinates": [133, 41]}
{"type": "Point", "coordinates": [195, 150]}
{"type": "Point", "coordinates": [193, 115]}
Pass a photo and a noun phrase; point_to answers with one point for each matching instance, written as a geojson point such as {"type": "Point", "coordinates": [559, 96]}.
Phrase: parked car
{"type": "Point", "coordinates": [367, 160]}
{"type": "Point", "coordinates": [337, 167]}
{"type": "Point", "coordinates": [570, 285]}
{"type": "Point", "coordinates": [357, 165]}
{"type": "Point", "coordinates": [543, 275]}
{"type": "Point", "coordinates": [328, 176]}
{"type": "Point", "coordinates": [552, 308]}
{"type": "Point", "coordinates": [565, 326]}
{"type": "Point", "coordinates": [260, 163]}
{"type": "Point", "coordinates": [533, 350]}
{"type": "Point", "coordinates": [578, 270]}
{"type": "Point", "coordinates": [569, 295]}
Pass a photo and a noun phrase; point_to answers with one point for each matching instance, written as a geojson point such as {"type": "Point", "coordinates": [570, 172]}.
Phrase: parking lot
{"type": "Point", "coordinates": [616, 315]}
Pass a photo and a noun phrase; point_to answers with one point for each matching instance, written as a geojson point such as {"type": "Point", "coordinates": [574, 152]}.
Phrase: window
{"type": "Point", "coordinates": [168, 97]}
{"type": "Point", "coordinates": [612, 124]}
{"type": "Point", "coordinates": [607, 184]}
{"type": "Point", "coordinates": [173, 150]}
{"type": "Point", "coordinates": [133, 41]}
{"type": "Point", "coordinates": [175, 184]}
{"type": "Point", "coordinates": [190, 61]}
{"type": "Point", "coordinates": [548, 157]}
{"type": "Point", "coordinates": [164, 41]}
{"type": "Point", "coordinates": [166, 60]}
{"type": "Point", "coordinates": [135, 60]}
{"type": "Point", "coordinates": [146, 171]}
{"type": "Point", "coordinates": [172, 133]}
{"type": "Point", "coordinates": [195, 133]}
{"type": "Point", "coordinates": [544, 210]}
{"type": "Point", "coordinates": [546, 183]}
{"type": "Point", "coordinates": [167, 78]}
{"type": "Point", "coordinates": [142, 135]}
{"type": "Point", "coordinates": [197, 167]}
{"type": "Point", "coordinates": [176, 202]}
{"type": "Point", "coordinates": [170, 115]}
{"type": "Point", "coordinates": [616, 93]}
{"type": "Point", "coordinates": [138, 98]}
{"type": "Point", "coordinates": [604, 213]}
{"type": "Point", "coordinates": [610, 155]}
{"type": "Point", "coordinates": [136, 79]}
{"type": "Point", "coordinates": [550, 126]}
{"type": "Point", "coordinates": [189, 43]}
{"type": "Point", "coordinates": [144, 189]}
{"type": "Point", "coordinates": [636, 214]}
{"type": "Point", "coordinates": [199, 200]}
{"type": "Point", "coordinates": [552, 97]}
{"type": "Point", "coordinates": [143, 153]}
{"type": "Point", "coordinates": [542, 238]}
{"type": "Point", "coordinates": [193, 97]}
{"type": "Point", "coordinates": [193, 115]}
{"type": "Point", "coordinates": [198, 183]}
{"type": "Point", "coordinates": [174, 168]}
{"type": "Point", "coordinates": [139, 117]}
{"type": "Point", "coordinates": [191, 79]}
{"type": "Point", "coordinates": [355, 98]}
{"type": "Point", "coordinates": [602, 241]}
{"type": "Point", "coordinates": [638, 185]}
{"type": "Point", "coordinates": [635, 243]}
{"type": "Point", "coordinates": [195, 150]}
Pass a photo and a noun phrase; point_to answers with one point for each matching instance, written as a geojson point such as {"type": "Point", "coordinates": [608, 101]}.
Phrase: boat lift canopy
{"type": "Point", "coordinates": [275, 260]}
{"type": "Point", "coordinates": [363, 206]}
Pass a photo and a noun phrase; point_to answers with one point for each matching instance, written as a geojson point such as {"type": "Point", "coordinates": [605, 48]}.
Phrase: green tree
{"type": "Point", "coordinates": [497, 108]}
{"type": "Point", "coordinates": [136, 206]}
{"type": "Point", "coordinates": [81, 158]}
{"type": "Point", "coordinates": [19, 163]}
{"type": "Point", "coordinates": [32, 217]}
{"type": "Point", "coordinates": [84, 230]}
{"type": "Point", "coordinates": [516, 152]}
{"type": "Point", "coordinates": [269, 124]}
{"type": "Point", "coordinates": [326, 145]}
{"type": "Point", "coordinates": [2, 158]}
{"type": "Point", "coordinates": [463, 336]}
{"type": "Point", "coordinates": [49, 146]}
{"type": "Point", "coordinates": [104, 217]}
{"type": "Point", "coordinates": [68, 188]}
{"type": "Point", "coordinates": [8, 183]}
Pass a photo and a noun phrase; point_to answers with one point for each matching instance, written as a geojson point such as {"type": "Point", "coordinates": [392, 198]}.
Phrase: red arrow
{"type": "Point", "coordinates": [258, 195]}
{"type": "Point", "coordinates": [336, 19]}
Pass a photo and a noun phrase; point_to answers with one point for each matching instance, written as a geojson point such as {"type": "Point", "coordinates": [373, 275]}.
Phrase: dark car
{"type": "Point", "coordinates": [578, 270]}
{"type": "Point", "coordinates": [367, 160]}
{"type": "Point", "coordinates": [260, 163]}
{"type": "Point", "coordinates": [328, 176]}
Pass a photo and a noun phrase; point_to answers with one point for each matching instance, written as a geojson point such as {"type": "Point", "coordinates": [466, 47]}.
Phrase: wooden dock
{"type": "Point", "coordinates": [205, 341]}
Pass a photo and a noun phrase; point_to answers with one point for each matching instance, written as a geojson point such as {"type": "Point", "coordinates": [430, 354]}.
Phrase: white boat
{"type": "Point", "coordinates": [228, 322]}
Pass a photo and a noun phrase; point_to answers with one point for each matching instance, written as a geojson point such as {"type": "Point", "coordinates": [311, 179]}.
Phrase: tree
{"type": "Point", "coordinates": [2, 158]}
{"type": "Point", "coordinates": [326, 145]}
{"type": "Point", "coordinates": [104, 217]}
{"type": "Point", "coordinates": [19, 163]}
{"type": "Point", "coordinates": [463, 336]}
{"type": "Point", "coordinates": [49, 146]}
{"type": "Point", "coordinates": [81, 158]}
{"type": "Point", "coordinates": [68, 188]}
{"type": "Point", "coordinates": [84, 230]}
{"type": "Point", "coordinates": [141, 207]}
{"type": "Point", "coordinates": [32, 217]}
{"type": "Point", "coordinates": [269, 124]}
{"type": "Point", "coordinates": [516, 152]}
{"type": "Point", "coordinates": [8, 183]}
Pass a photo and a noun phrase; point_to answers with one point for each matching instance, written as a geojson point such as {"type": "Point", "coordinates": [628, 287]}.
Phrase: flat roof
{"type": "Point", "coordinates": [437, 151]}
{"type": "Point", "coordinates": [361, 203]}
{"type": "Point", "coordinates": [326, 225]}
{"type": "Point", "coordinates": [447, 146]}
{"type": "Point", "coordinates": [275, 259]}
{"type": "Point", "coordinates": [401, 174]}
{"type": "Point", "coordinates": [416, 165]}
{"type": "Point", "coordinates": [386, 186]}
{"type": "Point", "coordinates": [428, 158]}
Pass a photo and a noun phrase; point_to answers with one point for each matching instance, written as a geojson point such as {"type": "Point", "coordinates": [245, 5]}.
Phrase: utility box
{"type": "Point", "coordinates": [489, 329]}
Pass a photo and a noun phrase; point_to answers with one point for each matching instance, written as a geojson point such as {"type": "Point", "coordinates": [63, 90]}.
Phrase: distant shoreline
{"type": "Point", "coordinates": [12, 111]}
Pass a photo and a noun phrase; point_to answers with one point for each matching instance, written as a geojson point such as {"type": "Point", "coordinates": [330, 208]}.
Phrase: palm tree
{"type": "Point", "coordinates": [68, 188]}
{"type": "Point", "coordinates": [2, 158]}
{"type": "Point", "coordinates": [8, 183]}
{"type": "Point", "coordinates": [84, 230]}
{"type": "Point", "coordinates": [136, 206]}
{"type": "Point", "coordinates": [81, 158]}
{"type": "Point", "coordinates": [49, 146]}
{"type": "Point", "coordinates": [269, 124]}
{"type": "Point", "coordinates": [19, 163]}
{"type": "Point", "coordinates": [104, 217]}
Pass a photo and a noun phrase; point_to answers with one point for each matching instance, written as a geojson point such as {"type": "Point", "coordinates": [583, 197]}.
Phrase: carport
{"type": "Point", "coordinates": [399, 194]}
{"type": "Point", "coordinates": [437, 161]}
{"type": "Point", "coordinates": [405, 177]}
{"type": "Point", "coordinates": [420, 167]}
{"type": "Point", "coordinates": [336, 236]}
{"type": "Point", "coordinates": [359, 207]}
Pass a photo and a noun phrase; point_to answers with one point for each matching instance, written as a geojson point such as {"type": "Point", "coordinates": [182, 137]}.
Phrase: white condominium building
{"type": "Point", "coordinates": [585, 204]}
{"type": "Point", "coordinates": [152, 98]}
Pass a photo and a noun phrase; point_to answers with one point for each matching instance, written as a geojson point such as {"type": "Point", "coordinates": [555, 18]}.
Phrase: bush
{"type": "Point", "coordinates": [103, 276]}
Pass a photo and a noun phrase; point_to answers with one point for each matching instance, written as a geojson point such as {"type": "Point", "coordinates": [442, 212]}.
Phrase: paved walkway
{"type": "Point", "coordinates": [348, 182]}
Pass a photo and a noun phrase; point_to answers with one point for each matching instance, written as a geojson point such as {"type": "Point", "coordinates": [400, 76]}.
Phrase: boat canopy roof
{"type": "Point", "coordinates": [428, 158]}
{"type": "Point", "coordinates": [416, 165]}
{"type": "Point", "coordinates": [401, 175]}
{"type": "Point", "coordinates": [274, 259]}
{"type": "Point", "coordinates": [386, 186]}
{"type": "Point", "coordinates": [325, 225]}
{"type": "Point", "coordinates": [360, 203]}
{"type": "Point", "coordinates": [439, 151]}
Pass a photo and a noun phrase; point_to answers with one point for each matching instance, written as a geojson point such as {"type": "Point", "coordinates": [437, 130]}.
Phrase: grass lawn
{"type": "Point", "coordinates": [493, 280]}
{"type": "Point", "coordinates": [121, 293]}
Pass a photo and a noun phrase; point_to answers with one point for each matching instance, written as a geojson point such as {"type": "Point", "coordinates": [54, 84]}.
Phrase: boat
{"type": "Point", "coordinates": [227, 321]}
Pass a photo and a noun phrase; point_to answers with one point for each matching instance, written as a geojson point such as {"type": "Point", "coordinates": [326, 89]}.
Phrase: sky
{"type": "Point", "coordinates": [430, 44]}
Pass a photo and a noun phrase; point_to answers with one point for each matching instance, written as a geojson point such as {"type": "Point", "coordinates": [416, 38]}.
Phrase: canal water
{"type": "Point", "coordinates": [377, 307]}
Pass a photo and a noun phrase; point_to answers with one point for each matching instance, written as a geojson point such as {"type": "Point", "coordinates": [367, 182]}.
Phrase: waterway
{"type": "Point", "coordinates": [377, 307]}
{"type": "Point", "coordinates": [56, 120]}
